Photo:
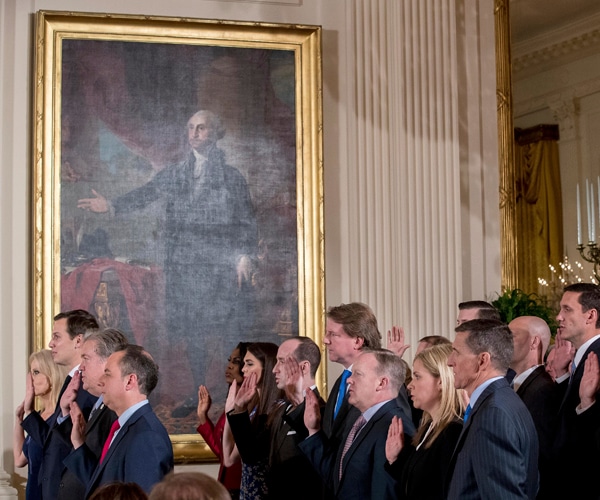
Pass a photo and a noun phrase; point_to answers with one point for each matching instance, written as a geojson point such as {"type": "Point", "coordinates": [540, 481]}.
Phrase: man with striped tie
{"type": "Point", "coordinates": [356, 468]}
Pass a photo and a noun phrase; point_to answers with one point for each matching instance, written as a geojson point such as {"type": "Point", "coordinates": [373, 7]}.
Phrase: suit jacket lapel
{"type": "Point", "coordinates": [281, 431]}
{"type": "Point", "coordinates": [94, 418]}
{"type": "Point", "coordinates": [529, 380]}
{"type": "Point", "coordinates": [480, 400]}
{"type": "Point", "coordinates": [119, 437]}
{"type": "Point", "coordinates": [62, 390]}
{"type": "Point", "coordinates": [362, 435]}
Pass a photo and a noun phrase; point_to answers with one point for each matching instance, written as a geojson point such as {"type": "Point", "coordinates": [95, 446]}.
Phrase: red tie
{"type": "Point", "coordinates": [114, 428]}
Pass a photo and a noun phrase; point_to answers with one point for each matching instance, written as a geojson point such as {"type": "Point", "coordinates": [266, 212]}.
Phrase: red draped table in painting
{"type": "Point", "coordinates": [131, 298]}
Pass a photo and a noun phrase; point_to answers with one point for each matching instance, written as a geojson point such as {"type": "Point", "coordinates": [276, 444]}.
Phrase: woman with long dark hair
{"type": "Point", "coordinates": [258, 396]}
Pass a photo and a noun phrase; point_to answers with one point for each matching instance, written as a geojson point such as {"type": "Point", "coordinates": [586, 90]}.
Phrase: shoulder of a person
{"type": "Point", "coordinates": [453, 429]}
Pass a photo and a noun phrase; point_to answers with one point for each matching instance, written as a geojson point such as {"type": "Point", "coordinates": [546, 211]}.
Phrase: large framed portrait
{"type": "Point", "coordinates": [177, 192]}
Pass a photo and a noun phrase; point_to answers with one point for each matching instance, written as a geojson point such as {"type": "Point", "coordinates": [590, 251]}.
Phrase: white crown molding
{"type": "Point", "coordinates": [548, 100]}
{"type": "Point", "coordinates": [557, 47]}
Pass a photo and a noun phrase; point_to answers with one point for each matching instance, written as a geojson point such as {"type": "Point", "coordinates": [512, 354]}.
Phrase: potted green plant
{"type": "Point", "coordinates": [514, 303]}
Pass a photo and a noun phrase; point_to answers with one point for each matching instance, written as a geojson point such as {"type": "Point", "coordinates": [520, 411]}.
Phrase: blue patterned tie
{"type": "Point", "coordinates": [467, 413]}
{"type": "Point", "coordinates": [341, 392]}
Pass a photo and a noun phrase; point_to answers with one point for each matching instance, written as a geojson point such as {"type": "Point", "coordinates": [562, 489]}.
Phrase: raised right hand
{"type": "Point", "coordinates": [229, 402]}
{"type": "Point", "coordinates": [246, 393]}
{"type": "Point", "coordinates": [70, 393]}
{"type": "Point", "coordinates": [565, 352]}
{"type": "Point", "coordinates": [204, 402]}
{"type": "Point", "coordinates": [395, 341]}
{"type": "Point", "coordinates": [395, 440]}
{"type": "Point", "coordinates": [20, 412]}
{"type": "Point", "coordinates": [28, 402]}
{"type": "Point", "coordinates": [312, 413]}
{"type": "Point", "coordinates": [78, 430]}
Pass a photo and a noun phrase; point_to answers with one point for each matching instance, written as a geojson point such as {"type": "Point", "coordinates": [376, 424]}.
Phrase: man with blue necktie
{"type": "Point", "coordinates": [497, 452]}
{"type": "Point", "coordinates": [350, 328]}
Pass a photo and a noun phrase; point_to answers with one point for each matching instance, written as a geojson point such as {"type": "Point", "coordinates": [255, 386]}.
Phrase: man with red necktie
{"type": "Point", "coordinates": [138, 449]}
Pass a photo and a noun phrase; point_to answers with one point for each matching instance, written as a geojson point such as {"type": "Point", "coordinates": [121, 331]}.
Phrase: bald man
{"type": "Point", "coordinates": [531, 337]}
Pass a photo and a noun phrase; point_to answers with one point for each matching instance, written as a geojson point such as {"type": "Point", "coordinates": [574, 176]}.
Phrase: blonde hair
{"type": "Point", "coordinates": [435, 361]}
{"type": "Point", "coordinates": [56, 375]}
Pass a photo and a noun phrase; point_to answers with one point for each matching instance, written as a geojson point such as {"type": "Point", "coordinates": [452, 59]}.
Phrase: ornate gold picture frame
{"type": "Point", "coordinates": [187, 258]}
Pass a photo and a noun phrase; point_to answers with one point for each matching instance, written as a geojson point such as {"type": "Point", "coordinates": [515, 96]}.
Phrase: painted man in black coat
{"type": "Point", "coordinates": [210, 239]}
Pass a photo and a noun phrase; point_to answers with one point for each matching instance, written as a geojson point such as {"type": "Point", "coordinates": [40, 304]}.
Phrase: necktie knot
{"type": "Point", "coordinates": [113, 429]}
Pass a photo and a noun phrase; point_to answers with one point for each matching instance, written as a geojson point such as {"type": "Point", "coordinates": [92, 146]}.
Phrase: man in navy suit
{"type": "Point", "coordinates": [91, 435]}
{"type": "Point", "coordinates": [139, 449]}
{"type": "Point", "coordinates": [350, 328]}
{"type": "Point", "coordinates": [497, 452]}
{"type": "Point", "coordinates": [67, 338]}
{"type": "Point", "coordinates": [579, 324]}
{"type": "Point", "coordinates": [355, 469]}
{"type": "Point", "coordinates": [531, 337]}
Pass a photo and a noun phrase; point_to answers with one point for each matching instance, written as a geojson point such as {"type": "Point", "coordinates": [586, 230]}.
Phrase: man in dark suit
{"type": "Point", "coordinates": [350, 328]}
{"type": "Point", "coordinates": [531, 337]}
{"type": "Point", "coordinates": [290, 474]}
{"type": "Point", "coordinates": [497, 452]}
{"type": "Point", "coordinates": [96, 349]}
{"type": "Point", "coordinates": [579, 324]}
{"type": "Point", "coordinates": [138, 449]}
{"type": "Point", "coordinates": [67, 338]}
{"type": "Point", "coordinates": [356, 468]}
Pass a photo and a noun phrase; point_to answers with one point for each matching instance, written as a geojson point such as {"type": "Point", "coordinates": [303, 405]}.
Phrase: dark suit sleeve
{"type": "Point", "coordinates": [295, 419]}
{"type": "Point", "coordinates": [498, 466]}
{"type": "Point", "coordinates": [317, 450]}
{"type": "Point", "coordinates": [82, 462]}
{"type": "Point", "coordinates": [383, 485]}
{"type": "Point", "coordinates": [252, 441]}
{"type": "Point", "coordinates": [144, 195]}
{"type": "Point", "coordinates": [64, 430]}
{"type": "Point", "coordinates": [146, 449]}
{"type": "Point", "coordinates": [395, 469]}
{"type": "Point", "coordinates": [36, 427]}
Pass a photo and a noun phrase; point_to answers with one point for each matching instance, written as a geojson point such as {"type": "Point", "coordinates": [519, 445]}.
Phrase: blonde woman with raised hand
{"type": "Point", "coordinates": [44, 380]}
{"type": "Point", "coordinates": [421, 465]}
